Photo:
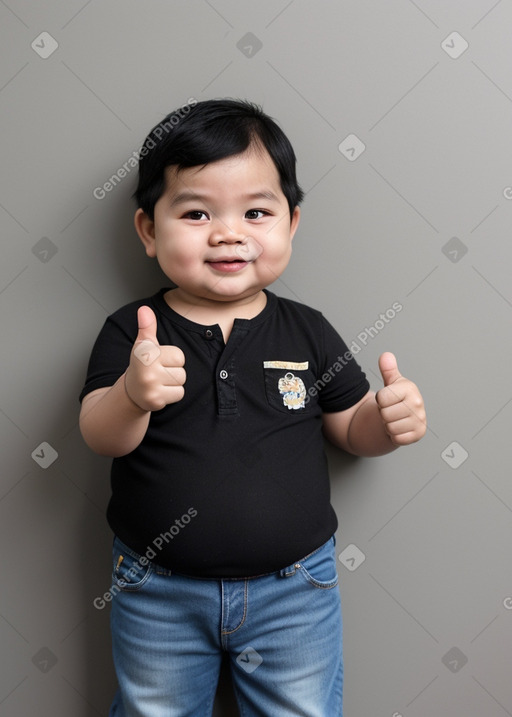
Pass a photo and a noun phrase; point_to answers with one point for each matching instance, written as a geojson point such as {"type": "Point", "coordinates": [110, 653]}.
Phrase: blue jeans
{"type": "Point", "coordinates": [282, 631]}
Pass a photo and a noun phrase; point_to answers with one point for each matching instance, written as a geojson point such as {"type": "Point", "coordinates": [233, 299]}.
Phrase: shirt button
{"type": "Point", "coordinates": [208, 333]}
{"type": "Point", "coordinates": [223, 374]}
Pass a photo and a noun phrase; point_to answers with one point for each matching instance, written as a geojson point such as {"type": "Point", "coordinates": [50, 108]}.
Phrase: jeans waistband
{"type": "Point", "coordinates": [286, 572]}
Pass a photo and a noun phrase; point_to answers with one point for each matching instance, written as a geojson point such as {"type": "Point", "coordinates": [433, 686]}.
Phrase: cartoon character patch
{"type": "Point", "coordinates": [293, 391]}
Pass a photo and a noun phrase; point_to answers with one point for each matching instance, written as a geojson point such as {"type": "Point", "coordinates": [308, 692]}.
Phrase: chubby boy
{"type": "Point", "coordinates": [214, 398]}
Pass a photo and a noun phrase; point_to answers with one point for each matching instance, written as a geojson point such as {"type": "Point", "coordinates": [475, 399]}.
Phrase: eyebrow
{"type": "Point", "coordinates": [264, 194]}
{"type": "Point", "coordinates": [188, 196]}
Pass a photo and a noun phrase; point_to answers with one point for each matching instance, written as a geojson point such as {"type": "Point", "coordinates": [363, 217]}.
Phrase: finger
{"type": "Point", "coordinates": [171, 356]}
{"type": "Point", "coordinates": [173, 376]}
{"type": "Point", "coordinates": [146, 347]}
{"type": "Point", "coordinates": [172, 394]}
{"type": "Point", "coordinates": [391, 395]}
{"type": "Point", "coordinates": [164, 397]}
{"type": "Point", "coordinates": [395, 413]}
{"type": "Point", "coordinates": [389, 368]}
{"type": "Point", "coordinates": [146, 322]}
{"type": "Point", "coordinates": [405, 439]}
{"type": "Point", "coordinates": [400, 427]}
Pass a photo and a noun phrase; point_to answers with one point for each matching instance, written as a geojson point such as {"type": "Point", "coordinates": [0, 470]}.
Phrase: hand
{"type": "Point", "coordinates": [155, 376]}
{"type": "Point", "coordinates": [400, 404]}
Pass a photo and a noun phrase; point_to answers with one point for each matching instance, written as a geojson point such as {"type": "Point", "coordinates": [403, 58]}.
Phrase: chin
{"type": "Point", "coordinates": [235, 295]}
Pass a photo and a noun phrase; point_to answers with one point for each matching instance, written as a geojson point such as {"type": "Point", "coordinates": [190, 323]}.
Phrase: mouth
{"type": "Point", "coordinates": [227, 265]}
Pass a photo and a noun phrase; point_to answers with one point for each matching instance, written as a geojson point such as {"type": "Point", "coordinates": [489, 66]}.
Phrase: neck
{"type": "Point", "coordinates": [207, 311]}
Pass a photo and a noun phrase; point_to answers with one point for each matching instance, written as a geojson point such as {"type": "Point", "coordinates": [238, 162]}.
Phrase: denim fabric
{"type": "Point", "coordinates": [282, 631]}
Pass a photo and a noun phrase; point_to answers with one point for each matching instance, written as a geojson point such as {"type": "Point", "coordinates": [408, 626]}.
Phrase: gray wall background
{"type": "Point", "coordinates": [420, 217]}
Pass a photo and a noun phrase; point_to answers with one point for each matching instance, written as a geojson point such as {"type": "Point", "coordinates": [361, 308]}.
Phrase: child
{"type": "Point", "coordinates": [224, 532]}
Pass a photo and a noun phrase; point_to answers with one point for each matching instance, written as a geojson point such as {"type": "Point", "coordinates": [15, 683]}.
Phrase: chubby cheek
{"type": "Point", "coordinates": [171, 252]}
{"type": "Point", "coordinates": [175, 262]}
{"type": "Point", "coordinates": [277, 255]}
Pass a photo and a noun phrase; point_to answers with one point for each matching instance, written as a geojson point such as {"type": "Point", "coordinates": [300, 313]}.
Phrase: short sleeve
{"type": "Point", "coordinates": [342, 382]}
{"type": "Point", "coordinates": [110, 355]}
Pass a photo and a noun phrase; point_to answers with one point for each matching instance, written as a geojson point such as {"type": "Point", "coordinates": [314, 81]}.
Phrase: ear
{"type": "Point", "coordinates": [294, 223]}
{"type": "Point", "coordinates": [145, 228]}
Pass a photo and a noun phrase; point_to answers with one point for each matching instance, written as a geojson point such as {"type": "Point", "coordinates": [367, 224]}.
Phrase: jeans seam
{"type": "Point", "coordinates": [316, 584]}
{"type": "Point", "coordinates": [244, 615]}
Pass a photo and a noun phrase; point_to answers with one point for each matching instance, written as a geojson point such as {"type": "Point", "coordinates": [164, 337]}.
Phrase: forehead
{"type": "Point", "coordinates": [252, 169]}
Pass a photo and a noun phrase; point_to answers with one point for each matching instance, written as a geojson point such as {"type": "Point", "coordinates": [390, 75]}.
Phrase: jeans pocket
{"type": "Point", "coordinates": [319, 568]}
{"type": "Point", "coordinates": [129, 570]}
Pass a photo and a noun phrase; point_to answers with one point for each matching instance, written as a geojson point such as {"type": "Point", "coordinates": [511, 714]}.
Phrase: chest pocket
{"type": "Point", "coordinates": [287, 384]}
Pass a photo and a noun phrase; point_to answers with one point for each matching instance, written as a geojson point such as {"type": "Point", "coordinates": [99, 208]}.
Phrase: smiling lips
{"type": "Point", "coordinates": [227, 265]}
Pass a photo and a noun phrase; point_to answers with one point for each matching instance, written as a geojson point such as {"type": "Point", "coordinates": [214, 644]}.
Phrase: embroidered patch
{"type": "Point", "coordinates": [302, 366]}
{"type": "Point", "coordinates": [292, 390]}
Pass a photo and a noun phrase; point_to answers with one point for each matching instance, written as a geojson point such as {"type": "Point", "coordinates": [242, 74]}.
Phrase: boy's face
{"type": "Point", "coordinates": [223, 231]}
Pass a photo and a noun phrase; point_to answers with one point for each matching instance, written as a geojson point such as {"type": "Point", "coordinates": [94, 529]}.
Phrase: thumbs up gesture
{"type": "Point", "coordinates": [400, 404]}
{"type": "Point", "coordinates": [155, 376]}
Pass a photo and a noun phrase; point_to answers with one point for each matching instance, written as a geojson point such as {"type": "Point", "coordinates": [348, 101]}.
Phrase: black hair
{"type": "Point", "coordinates": [202, 132]}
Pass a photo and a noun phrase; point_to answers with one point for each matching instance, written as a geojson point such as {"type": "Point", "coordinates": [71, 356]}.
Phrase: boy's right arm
{"type": "Point", "coordinates": [114, 420]}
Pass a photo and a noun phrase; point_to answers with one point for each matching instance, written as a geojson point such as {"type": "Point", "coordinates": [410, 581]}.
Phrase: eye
{"type": "Point", "coordinates": [196, 215]}
{"type": "Point", "coordinates": [253, 214]}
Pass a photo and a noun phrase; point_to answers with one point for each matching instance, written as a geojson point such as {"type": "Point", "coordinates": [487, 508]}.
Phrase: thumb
{"type": "Point", "coordinates": [146, 346]}
{"type": "Point", "coordinates": [146, 321]}
{"type": "Point", "coordinates": [389, 368]}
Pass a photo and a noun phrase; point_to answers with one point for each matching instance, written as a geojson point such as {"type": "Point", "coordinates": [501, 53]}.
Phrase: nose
{"type": "Point", "coordinates": [223, 232]}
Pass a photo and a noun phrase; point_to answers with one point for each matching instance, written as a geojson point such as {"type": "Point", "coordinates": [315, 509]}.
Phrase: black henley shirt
{"type": "Point", "coordinates": [232, 480]}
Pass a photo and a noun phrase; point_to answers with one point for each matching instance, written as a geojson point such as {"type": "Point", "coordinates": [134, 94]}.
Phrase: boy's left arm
{"type": "Point", "coordinates": [379, 423]}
